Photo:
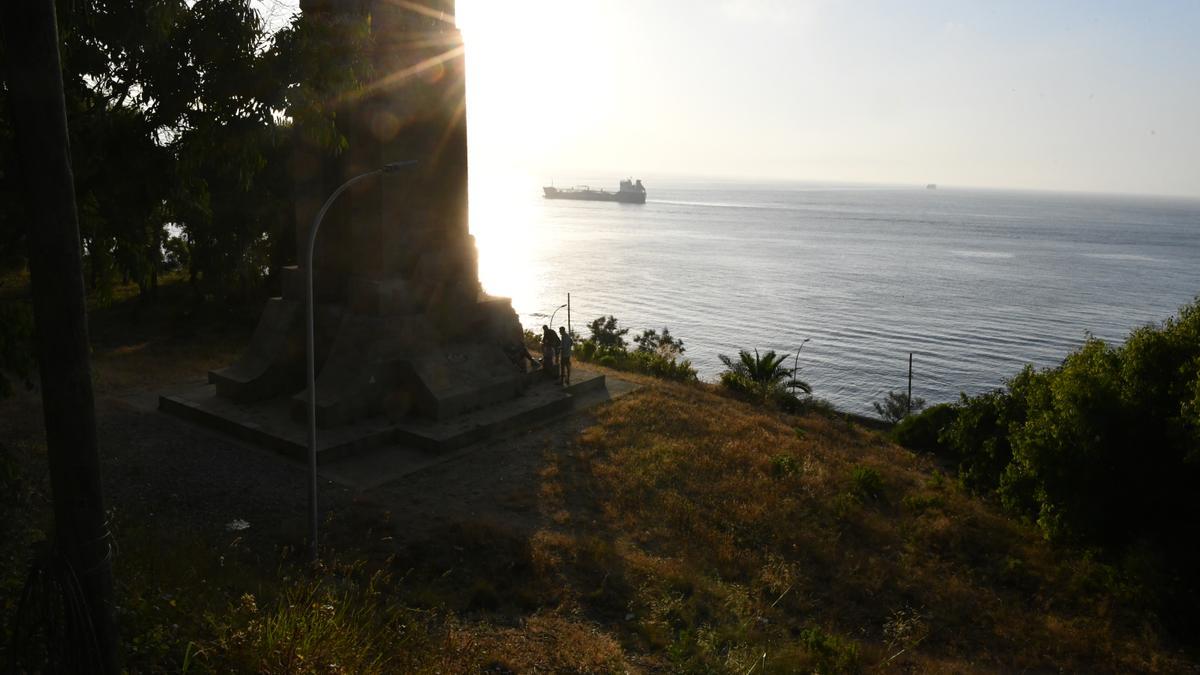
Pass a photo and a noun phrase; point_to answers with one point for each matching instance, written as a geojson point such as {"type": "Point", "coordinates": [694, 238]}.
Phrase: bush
{"type": "Point", "coordinates": [831, 653]}
{"type": "Point", "coordinates": [895, 406]}
{"type": "Point", "coordinates": [763, 379]}
{"type": "Point", "coordinates": [1103, 450]}
{"type": "Point", "coordinates": [978, 437]}
{"type": "Point", "coordinates": [532, 340]}
{"type": "Point", "coordinates": [656, 355]}
{"type": "Point", "coordinates": [866, 483]}
{"type": "Point", "coordinates": [921, 432]}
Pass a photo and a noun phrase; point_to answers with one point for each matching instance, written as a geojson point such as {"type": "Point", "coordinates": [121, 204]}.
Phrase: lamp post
{"type": "Point", "coordinates": [796, 362]}
{"type": "Point", "coordinates": [555, 312]}
{"type": "Point", "coordinates": [310, 346]}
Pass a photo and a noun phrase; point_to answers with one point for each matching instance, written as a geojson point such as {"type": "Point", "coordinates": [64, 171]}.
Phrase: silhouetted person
{"type": "Point", "coordinates": [565, 356]}
{"type": "Point", "coordinates": [550, 344]}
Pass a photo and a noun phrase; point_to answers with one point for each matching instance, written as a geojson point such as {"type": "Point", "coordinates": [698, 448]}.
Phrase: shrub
{"type": "Point", "coordinates": [1103, 450]}
{"type": "Point", "coordinates": [921, 432]}
{"type": "Point", "coordinates": [866, 482]}
{"type": "Point", "coordinates": [895, 406]}
{"type": "Point", "coordinates": [784, 465]}
{"type": "Point", "coordinates": [763, 378]}
{"type": "Point", "coordinates": [659, 365]}
{"type": "Point", "coordinates": [831, 653]}
{"type": "Point", "coordinates": [532, 340]}
{"type": "Point", "coordinates": [586, 350]}
{"type": "Point", "coordinates": [656, 355]}
{"type": "Point", "coordinates": [978, 437]}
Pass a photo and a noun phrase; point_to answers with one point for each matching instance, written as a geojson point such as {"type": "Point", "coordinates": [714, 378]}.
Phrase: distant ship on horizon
{"type": "Point", "coordinates": [630, 192]}
{"type": "Point", "coordinates": [931, 186]}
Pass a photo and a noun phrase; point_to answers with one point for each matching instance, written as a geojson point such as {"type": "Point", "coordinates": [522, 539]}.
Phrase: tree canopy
{"type": "Point", "coordinates": [182, 119]}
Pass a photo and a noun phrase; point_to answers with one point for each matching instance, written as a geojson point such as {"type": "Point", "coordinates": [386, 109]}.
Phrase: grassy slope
{"type": "Point", "coordinates": [687, 532]}
{"type": "Point", "coordinates": [680, 531]}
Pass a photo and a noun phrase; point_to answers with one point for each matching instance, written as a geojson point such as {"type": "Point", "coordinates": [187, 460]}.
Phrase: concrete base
{"type": "Point", "coordinates": [270, 424]}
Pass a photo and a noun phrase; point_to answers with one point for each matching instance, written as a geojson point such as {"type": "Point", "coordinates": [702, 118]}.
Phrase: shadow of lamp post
{"type": "Point", "coordinates": [310, 343]}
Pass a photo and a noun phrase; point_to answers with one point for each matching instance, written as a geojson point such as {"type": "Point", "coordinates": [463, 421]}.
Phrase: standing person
{"type": "Point", "coordinates": [565, 357]}
{"type": "Point", "coordinates": [549, 349]}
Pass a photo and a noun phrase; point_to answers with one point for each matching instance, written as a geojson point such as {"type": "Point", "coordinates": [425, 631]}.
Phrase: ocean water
{"type": "Point", "coordinates": [974, 283]}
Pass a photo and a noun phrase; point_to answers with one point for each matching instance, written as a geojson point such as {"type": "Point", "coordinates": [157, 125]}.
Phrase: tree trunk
{"type": "Point", "coordinates": [40, 125]}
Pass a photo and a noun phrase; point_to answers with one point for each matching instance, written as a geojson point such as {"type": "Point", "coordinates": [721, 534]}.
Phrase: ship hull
{"type": "Point", "coordinates": [595, 196]}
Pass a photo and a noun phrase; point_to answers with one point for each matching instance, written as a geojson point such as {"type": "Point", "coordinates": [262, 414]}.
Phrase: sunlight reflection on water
{"type": "Point", "coordinates": [975, 283]}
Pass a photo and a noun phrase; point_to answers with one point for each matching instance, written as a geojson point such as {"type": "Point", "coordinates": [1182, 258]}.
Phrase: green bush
{"type": "Point", "coordinates": [978, 437]}
{"type": "Point", "coordinates": [866, 482]}
{"type": "Point", "coordinates": [921, 432]}
{"type": "Point", "coordinates": [1102, 451]}
{"type": "Point", "coordinates": [897, 406]}
{"type": "Point", "coordinates": [656, 355]}
{"type": "Point", "coordinates": [763, 379]}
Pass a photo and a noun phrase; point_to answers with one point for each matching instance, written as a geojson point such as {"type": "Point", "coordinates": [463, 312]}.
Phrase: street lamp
{"type": "Point", "coordinates": [555, 312]}
{"type": "Point", "coordinates": [311, 347]}
{"type": "Point", "coordinates": [796, 362]}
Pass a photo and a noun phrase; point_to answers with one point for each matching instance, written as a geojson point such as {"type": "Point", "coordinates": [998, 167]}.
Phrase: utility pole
{"type": "Point", "coordinates": [909, 402]}
{"type": "Point", "coordinates": [37, 105]}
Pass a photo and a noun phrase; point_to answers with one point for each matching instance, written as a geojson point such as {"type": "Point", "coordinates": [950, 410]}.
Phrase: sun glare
{"type": "Point", "coordinates": [537, 82]}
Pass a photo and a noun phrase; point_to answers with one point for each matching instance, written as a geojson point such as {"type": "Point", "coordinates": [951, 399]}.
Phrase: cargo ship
{"type": "Point", "coordinates": [630, 192]}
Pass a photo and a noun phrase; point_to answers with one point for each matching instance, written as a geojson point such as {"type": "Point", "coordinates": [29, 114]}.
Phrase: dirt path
{"type": "Point", "coordinates": [173, 474]}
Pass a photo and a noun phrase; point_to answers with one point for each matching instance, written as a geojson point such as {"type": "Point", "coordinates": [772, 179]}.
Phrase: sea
{"type": "Point", "coordinates": [974, 284]}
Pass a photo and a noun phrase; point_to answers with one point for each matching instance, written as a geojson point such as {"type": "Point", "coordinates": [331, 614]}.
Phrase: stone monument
{"type": "Point", "coordinates": [403, 328]}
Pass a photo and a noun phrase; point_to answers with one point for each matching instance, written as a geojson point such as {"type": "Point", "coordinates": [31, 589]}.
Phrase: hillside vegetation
{"type": "Point", "coordinates": [675, 529]}
{"type": "Point", "coordinates": [1102, 451]}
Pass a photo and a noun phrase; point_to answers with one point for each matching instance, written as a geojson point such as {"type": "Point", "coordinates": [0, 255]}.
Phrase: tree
{"type": "Point", "coordinates": [896, 406]}
{"type": "Point", "coordinates": [183, 113]}
{"type": "Point", "coordinates": [606, 335]}
{"type": "Point", "coordinates": [664, 345]}
{"type": "Point", "coordinates": [39, 118]}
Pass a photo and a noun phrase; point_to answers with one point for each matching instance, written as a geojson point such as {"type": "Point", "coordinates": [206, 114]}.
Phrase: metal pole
{"type": "Point", "coordinates": [555, 312]}
{"type": "Point", "coordinates": [568, 313]}
{"type": "Point", "coordinates": [796, 361]}
{"type": "Point", "coordinates": [909, 383]}
{"type": "Point", "coordinates": [310, 346]}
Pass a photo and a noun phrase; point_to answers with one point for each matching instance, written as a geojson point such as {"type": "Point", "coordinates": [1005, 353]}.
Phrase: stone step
{"type": "Point", "coordinates": [269, 424]}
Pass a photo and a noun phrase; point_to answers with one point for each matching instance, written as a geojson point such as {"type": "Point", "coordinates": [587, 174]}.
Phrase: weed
{"type": "Point", "coordinates": [920, 503]}
{"type": "Point", "coordinates": [784, 465]}
{"type": "Point", "coordinates": [866, 483]}
{"type": "Point", "coordinates": [830, 653]}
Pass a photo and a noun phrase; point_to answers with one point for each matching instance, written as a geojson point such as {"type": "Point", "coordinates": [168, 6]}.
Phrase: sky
{"type": "Point", "coordinates": [1092, 96]}
{"type": "Point", "coordinates": [1081, 96]}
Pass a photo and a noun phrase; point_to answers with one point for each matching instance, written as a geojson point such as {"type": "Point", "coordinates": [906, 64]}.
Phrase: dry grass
{"type": "Point", "coordinates": [726, 533]}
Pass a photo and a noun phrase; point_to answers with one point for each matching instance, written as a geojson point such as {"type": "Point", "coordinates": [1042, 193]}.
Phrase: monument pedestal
{"type": "Point", "coordinates": [404, 335]}
{"type": "Point", "coordinates": [270, 424]}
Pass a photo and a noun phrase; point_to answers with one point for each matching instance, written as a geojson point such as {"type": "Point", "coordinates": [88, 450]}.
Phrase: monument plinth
{"type": "Point", "coordinates": [403, 329]}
